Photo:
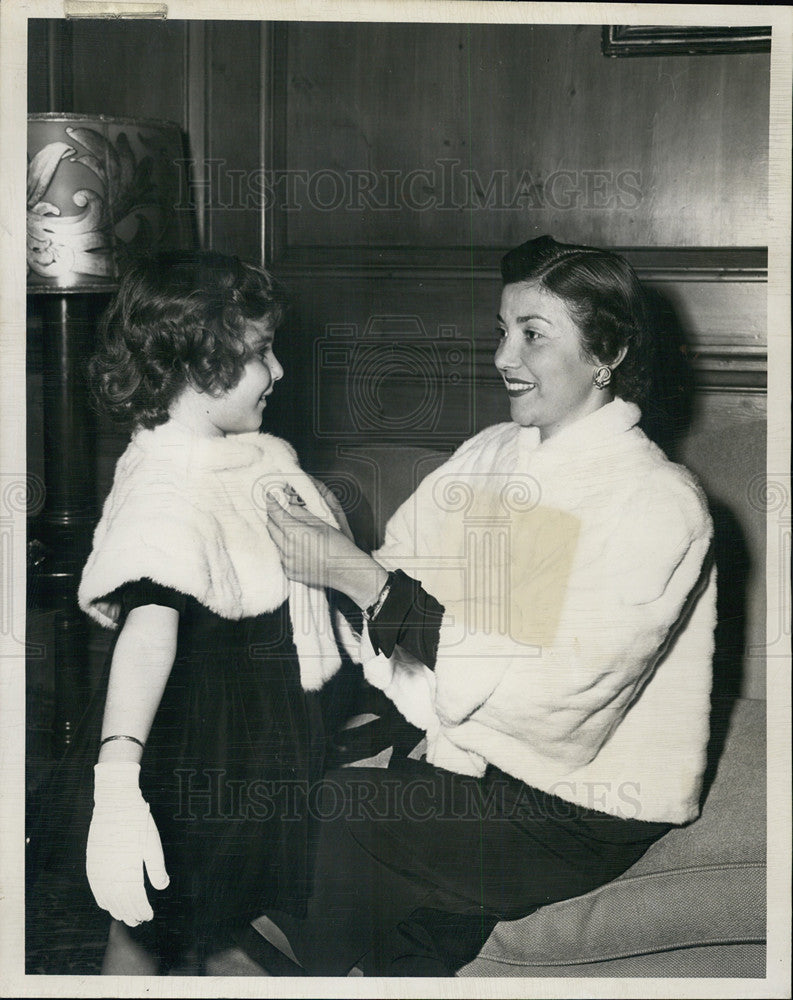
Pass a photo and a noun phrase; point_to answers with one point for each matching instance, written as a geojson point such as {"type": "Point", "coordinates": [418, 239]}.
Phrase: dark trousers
{"type": "Point", "coordinates": [415, 865]}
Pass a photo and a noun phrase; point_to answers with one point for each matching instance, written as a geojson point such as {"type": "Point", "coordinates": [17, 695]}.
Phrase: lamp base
{"type": "Point", "coordinates": [60, 537]}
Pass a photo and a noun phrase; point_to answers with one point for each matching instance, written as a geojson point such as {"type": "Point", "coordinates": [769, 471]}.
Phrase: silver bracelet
{"type": "Point", "coordinates": [133, 739]}
{"type": "Point", "coordinates": [374, 609]}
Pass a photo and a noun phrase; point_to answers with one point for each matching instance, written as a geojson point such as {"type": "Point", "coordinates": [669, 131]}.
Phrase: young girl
{"type": "Point", "coordinates": [210, 729]}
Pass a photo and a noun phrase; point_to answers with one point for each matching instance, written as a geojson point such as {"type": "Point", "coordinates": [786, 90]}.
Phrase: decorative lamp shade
{"type": "Point", "coordinates": [101, 190]}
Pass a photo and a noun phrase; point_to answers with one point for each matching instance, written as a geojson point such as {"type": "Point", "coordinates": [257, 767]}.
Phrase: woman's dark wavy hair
{"type": "Point", "coordinates": [604, 297]}
{"type": "Point", "coordinates": [177, 319]}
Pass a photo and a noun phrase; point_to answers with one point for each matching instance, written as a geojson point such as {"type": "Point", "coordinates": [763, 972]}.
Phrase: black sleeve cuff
{"type": "Point", "coordinates": [145, 591]}
{"type": "Point", "coordinates": [410, 618]}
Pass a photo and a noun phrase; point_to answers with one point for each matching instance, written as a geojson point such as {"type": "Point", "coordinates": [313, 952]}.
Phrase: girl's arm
{"type": "Point", "coordinates": [142, 662]}
{"type": "Point", "coordinates": [123, 837]}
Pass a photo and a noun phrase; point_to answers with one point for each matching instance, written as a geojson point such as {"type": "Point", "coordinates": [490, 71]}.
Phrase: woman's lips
{"type": "Point", "coordinates": [516, 387]}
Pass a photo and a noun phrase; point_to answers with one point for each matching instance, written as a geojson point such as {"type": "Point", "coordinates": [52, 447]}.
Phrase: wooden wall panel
{"type": "Point", "coordinates": [233, 136]}
{"type": "Point", "coordinates": [621, 152]}
{"type": "Point", "coordinates": [130, 68]}
{"type": "Point", "coordinates": [203, 76]}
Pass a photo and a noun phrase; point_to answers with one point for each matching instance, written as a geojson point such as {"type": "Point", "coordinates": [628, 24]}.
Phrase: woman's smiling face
{"type": "Point", "coordinates": [541, 358]}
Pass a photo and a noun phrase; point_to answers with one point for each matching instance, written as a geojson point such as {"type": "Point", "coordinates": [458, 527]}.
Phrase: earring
{"type": "Point", "coordinates": [601, 377]}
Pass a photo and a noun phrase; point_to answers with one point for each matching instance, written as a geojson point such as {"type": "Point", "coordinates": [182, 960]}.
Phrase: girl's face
{"type": "Point", "coordinates": [541, 359]}
{"type": "Point", "coordinates": [240, 409]}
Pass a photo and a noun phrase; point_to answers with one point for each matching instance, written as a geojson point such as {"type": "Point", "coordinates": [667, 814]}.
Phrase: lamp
{"type": "Point", "coordinates": [100, 190]}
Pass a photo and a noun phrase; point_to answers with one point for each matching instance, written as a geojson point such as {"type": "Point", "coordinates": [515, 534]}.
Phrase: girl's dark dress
{"type": "Point", "coordinates": [234, 749]}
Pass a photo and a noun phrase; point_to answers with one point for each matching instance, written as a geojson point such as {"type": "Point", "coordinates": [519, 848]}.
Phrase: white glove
{"type": "Point", "coordinates": [122, 838]}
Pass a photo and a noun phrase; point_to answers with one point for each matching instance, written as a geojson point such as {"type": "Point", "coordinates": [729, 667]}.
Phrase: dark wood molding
{"type": "Point", "coordinates": [660, 40]}
{"type": "Point", "coordinates": [196, 121]}
{"type": "Point", "coordinates": [716, 367]}
{"type": "Point", "coordinates": [730, 370]}
{"type": "Point", "coordinates": [60, 75]}
{"type": "Point", "coordinates": [267, 132]}
{"type": "Point", "coordinates": [274, 44]}
{"type": "Point", "coordinates": [653, 264]}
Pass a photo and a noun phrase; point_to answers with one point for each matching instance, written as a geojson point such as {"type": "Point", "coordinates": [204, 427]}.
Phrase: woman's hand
{"type": "Point", "coordinates": [336, 508]}
{"type": "Point", "coordinates": [319, 555]}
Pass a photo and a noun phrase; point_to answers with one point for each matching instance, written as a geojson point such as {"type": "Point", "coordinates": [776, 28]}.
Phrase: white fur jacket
{"type": "Point", "coordinates": [189, 512]}
{"type": "Point", "coordinates": [576, 647]}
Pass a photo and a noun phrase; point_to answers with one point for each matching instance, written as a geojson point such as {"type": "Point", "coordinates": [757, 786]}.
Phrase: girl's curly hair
{"type": "Point", "coordinates": [177, 319]}
{"type": "Point", "coordinates": [604, 297]}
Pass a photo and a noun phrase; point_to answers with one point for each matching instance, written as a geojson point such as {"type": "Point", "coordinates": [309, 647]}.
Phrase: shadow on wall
{"type": "Point", "coordinates": [669, 410]}
{"type": "Point", "coordinates": [668, 419]}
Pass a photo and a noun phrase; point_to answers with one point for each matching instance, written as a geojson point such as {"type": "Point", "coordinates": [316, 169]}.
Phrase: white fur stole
{"type": "Point", "coordinates": [190, 513]}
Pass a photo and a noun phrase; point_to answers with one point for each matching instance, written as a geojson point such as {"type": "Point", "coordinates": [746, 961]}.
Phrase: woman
{"type": "Point", "coordinates": [557, 650]}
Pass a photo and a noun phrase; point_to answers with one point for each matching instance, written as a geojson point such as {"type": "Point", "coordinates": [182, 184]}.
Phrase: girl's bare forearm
{"type": "Point", "coordinates": [142, 662]}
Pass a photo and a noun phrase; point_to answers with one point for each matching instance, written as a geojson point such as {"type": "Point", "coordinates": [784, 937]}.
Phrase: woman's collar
{"type": "Point", "coordinates": [592, 431]}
